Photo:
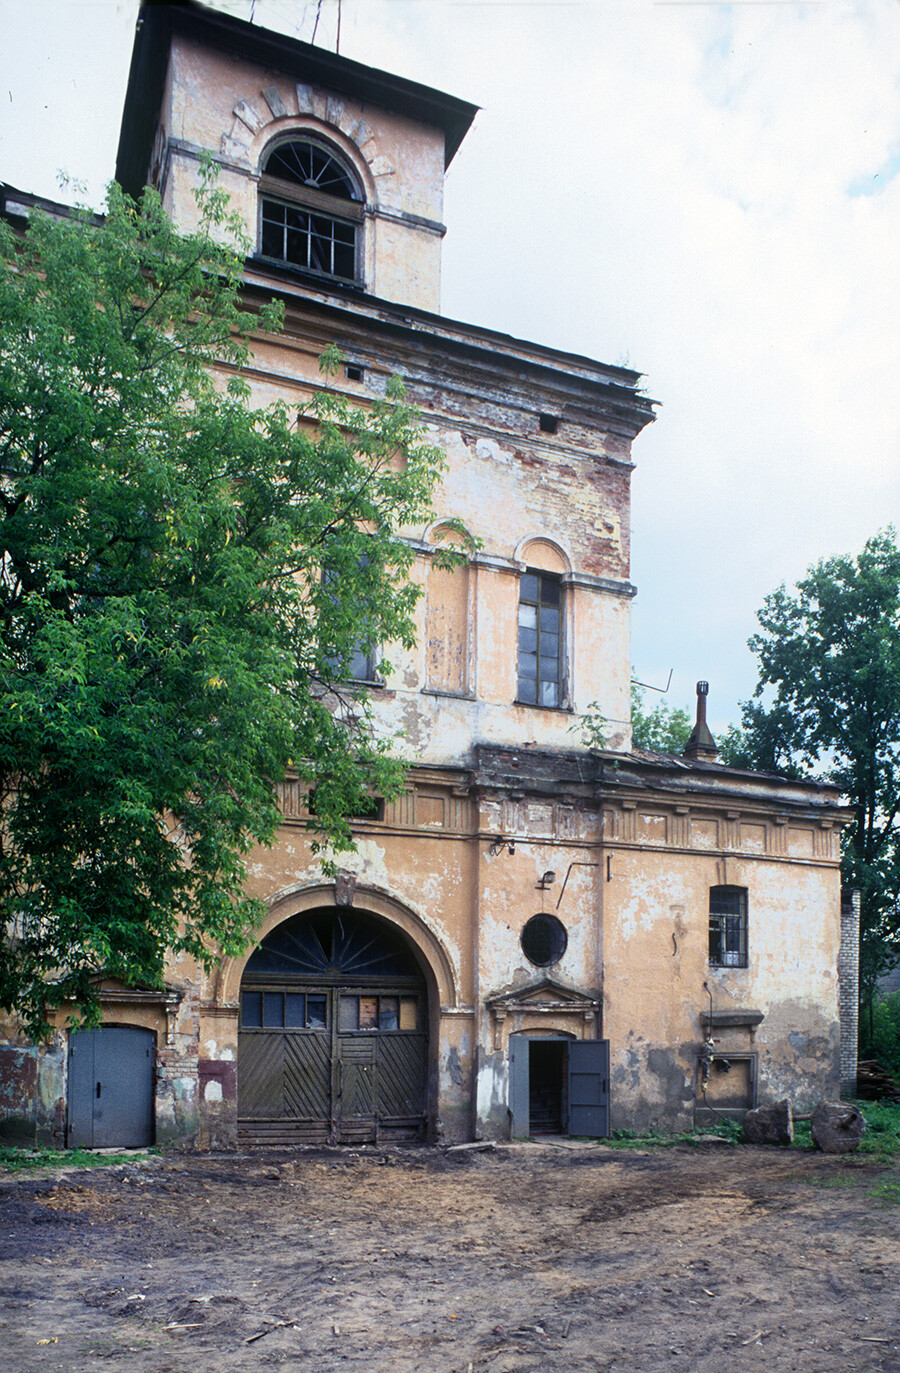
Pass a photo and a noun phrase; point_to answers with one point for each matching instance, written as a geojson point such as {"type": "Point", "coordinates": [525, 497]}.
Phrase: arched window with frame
{"type": "Point", "coordinates": [311, 210]}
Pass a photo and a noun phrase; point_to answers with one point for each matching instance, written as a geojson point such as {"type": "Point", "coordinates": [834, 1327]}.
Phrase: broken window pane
{"type": "Point", "coordinates": [368, 1012]}
{"type": "Point", "coordinates": [388, 1013]}
{"type": "Point", "coordinates": [409, 1013]}
{"type": "Point", "coordinates": [315, 1013]}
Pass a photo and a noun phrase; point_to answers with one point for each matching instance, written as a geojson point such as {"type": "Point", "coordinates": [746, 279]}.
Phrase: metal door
{"type": "Point", "coordinates": [589, 1087]}
{"type": "Point", "coordinates": [518, 1086]}
{"type": "Point", "coordinates": [110, 1089]}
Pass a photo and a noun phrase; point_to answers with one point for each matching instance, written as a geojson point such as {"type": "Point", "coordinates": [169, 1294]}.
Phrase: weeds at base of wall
{"type": "Point", "coordinates": [729, 1131]}
{"type": "Point", "coordinates": [881, 1139]}
{"type": "Point", "coordinates": [23, 1160]}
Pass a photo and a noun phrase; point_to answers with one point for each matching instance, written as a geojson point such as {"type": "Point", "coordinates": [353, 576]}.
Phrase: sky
{"type": "Point", "coordinates": [706, 193]}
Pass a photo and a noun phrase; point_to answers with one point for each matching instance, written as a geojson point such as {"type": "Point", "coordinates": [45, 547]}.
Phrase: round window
{"type": "Point", "coordinates": [544, 940]}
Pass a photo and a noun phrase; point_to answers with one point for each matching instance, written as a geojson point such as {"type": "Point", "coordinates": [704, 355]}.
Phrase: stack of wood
{"type": "Point", "coordinates": [874, 1084]}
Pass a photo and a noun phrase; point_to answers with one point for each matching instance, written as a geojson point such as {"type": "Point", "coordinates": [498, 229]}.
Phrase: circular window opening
{"type": "Point", "coordinates": [544, 940]}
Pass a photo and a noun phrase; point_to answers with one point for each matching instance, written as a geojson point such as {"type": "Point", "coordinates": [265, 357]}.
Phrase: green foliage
{"type": "Point", "coordinates": [884, 1042]}
{"type": "Point", "coordinates": [26, 1160]}
{"type": "Point", "coordinates": [592, 726]}
{"type": "Point", "coordinates": [882, 1136]}
{"type": "Point", "coordinates": [666, 729]}
{"type": "Point", "coordinates": [185, 580]}
{"type": "Point", "coordinates": [828, 699]}
{"type": "Point", "coordinates": [726, 1129]}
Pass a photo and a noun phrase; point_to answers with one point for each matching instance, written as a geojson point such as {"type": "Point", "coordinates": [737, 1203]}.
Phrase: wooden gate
{"type": "Point", "coordinates": [332, 1044]}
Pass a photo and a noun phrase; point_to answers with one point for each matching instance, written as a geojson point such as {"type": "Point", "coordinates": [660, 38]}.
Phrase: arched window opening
{"type": "Point", "coordinates": [311, 210]}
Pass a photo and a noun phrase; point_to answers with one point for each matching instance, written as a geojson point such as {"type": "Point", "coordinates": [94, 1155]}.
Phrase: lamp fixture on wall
{"type": "Point", "coordinates": [500, 844]}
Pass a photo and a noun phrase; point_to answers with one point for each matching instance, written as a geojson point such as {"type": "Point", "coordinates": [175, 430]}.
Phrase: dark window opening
{"type": "Point", "coordinates": [367, 808]}
{"type": "Point", "coordinates": [283, 1011]}
{"type": "Point", "coordinates": [354, 373]}
{"type": "Point", "coordinates": [311, 211]}
{"type": "Point", "coordinates": [728, 927]}
{"type": "Point", "coordinates": [540, 640]}
{"type": "Point", "coordinates": [544, 940]}
{"type": "Point", "coordinates": [336, 945]}
{"type": "Point", "coordinates": [549, 424]}
{"type": "Point", "coordinates": [315, 242]}
{"type": "Point", "coordinates": [362, 662]}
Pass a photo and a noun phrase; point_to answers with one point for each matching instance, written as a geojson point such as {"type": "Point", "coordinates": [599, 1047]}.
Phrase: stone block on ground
{"type": "Point", "coordinates": [770, 1124]}
{"type": "Point", "coordinates": [837, 1127]}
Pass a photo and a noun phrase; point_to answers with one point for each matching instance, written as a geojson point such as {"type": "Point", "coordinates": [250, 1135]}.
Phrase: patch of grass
{"type": "Point", "coordinates": [887, 1191]}
{"type": "Point", "coordinates": [882, 1137]}
{"type": "Point", "coordinates": [803, 1135]}
{"type": "Point", "coordinates": [731, 1130]}
{"type": "Point", "coordinates": [23, 1160]}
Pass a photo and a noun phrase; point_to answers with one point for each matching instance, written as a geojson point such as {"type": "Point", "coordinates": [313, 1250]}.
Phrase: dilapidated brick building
{"type": "Point", "coordinates": [536, 936]}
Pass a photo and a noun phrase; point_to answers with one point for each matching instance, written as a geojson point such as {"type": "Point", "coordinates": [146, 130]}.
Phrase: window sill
{"type": "Point", "coordinates": [306, 275]}
{"type": "Point", "coordinates": [450, 695]}
{"type": "Point", "coordinates": [533, 705]}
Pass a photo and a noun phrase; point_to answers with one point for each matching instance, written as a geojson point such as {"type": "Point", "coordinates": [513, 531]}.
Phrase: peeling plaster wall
{"type": "Point", "coordinates": [32, 1089]}
{"type": "Point", "coordinates": [235, 109]}
{"type": "Point", "coordinates": [656, 921]}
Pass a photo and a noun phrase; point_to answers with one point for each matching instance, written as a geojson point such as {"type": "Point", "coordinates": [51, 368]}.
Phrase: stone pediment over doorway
{"type": "Point", "coordinates": [545, 998]}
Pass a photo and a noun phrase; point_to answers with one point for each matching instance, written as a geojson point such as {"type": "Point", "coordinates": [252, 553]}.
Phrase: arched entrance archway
{"type": "Point", "coordinates": [333, 1036]}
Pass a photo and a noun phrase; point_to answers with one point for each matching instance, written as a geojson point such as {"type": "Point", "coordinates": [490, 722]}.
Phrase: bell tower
{"type": "Point", "coordinates": [336, 169]}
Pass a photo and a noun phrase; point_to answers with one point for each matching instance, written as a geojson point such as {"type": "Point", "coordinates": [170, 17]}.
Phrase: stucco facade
{"type": "Point", "coordinates": [467, 1030]}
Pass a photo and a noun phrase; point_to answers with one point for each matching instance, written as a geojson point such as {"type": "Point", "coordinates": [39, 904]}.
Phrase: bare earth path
{"type": "Point", "coordinates": [528, 1259]}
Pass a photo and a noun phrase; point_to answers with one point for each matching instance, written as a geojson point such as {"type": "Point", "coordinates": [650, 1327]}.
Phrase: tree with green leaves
{"type": "Point", "coordinates": [828, 701]}
{"type": "Point", "coordinates": [665, 728]}
{"type": "Point", "coordinates": [185, 581]}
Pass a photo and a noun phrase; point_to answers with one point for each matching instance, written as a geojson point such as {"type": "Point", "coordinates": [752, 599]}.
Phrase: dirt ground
{"type": "Point", "coordinates": [526, 1259]}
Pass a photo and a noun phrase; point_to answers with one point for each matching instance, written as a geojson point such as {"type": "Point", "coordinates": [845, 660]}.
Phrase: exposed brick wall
{"type": "Point", "coordinates": [848, 981]}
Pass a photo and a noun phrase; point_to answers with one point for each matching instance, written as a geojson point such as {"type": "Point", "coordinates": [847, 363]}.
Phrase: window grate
{"type": "Point", "coordinates": [728, 927]}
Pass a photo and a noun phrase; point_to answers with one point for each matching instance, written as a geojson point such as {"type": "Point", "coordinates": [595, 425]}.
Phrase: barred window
{"type": "Point", "coordinates": [728, 927]}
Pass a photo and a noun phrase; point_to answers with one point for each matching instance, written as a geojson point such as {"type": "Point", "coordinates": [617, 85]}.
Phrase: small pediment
{"type": "Point", "coordinates": [545, 995]}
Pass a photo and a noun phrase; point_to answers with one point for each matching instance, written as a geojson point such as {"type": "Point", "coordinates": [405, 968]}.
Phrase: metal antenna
{"type": "Point", "coordinates": [650, 687]}
{"type": "Point", "coordinates": [316, 24]}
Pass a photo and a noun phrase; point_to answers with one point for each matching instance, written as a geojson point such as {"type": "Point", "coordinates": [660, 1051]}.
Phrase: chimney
{"type": "Point", "coordinates": [701, 745]}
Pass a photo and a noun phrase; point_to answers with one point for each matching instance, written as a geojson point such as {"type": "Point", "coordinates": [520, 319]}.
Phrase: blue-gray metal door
{"type": "Point", "coordinates": [111, 1072]}
{"type": "Point", "coordinates": [518, 1086]}
{"type": "Point", "coordinates": [589, 1087]}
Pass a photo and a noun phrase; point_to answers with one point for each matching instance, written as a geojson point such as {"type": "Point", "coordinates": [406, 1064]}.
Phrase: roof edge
{"type": "Point", "coordinates": [158, 22]}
